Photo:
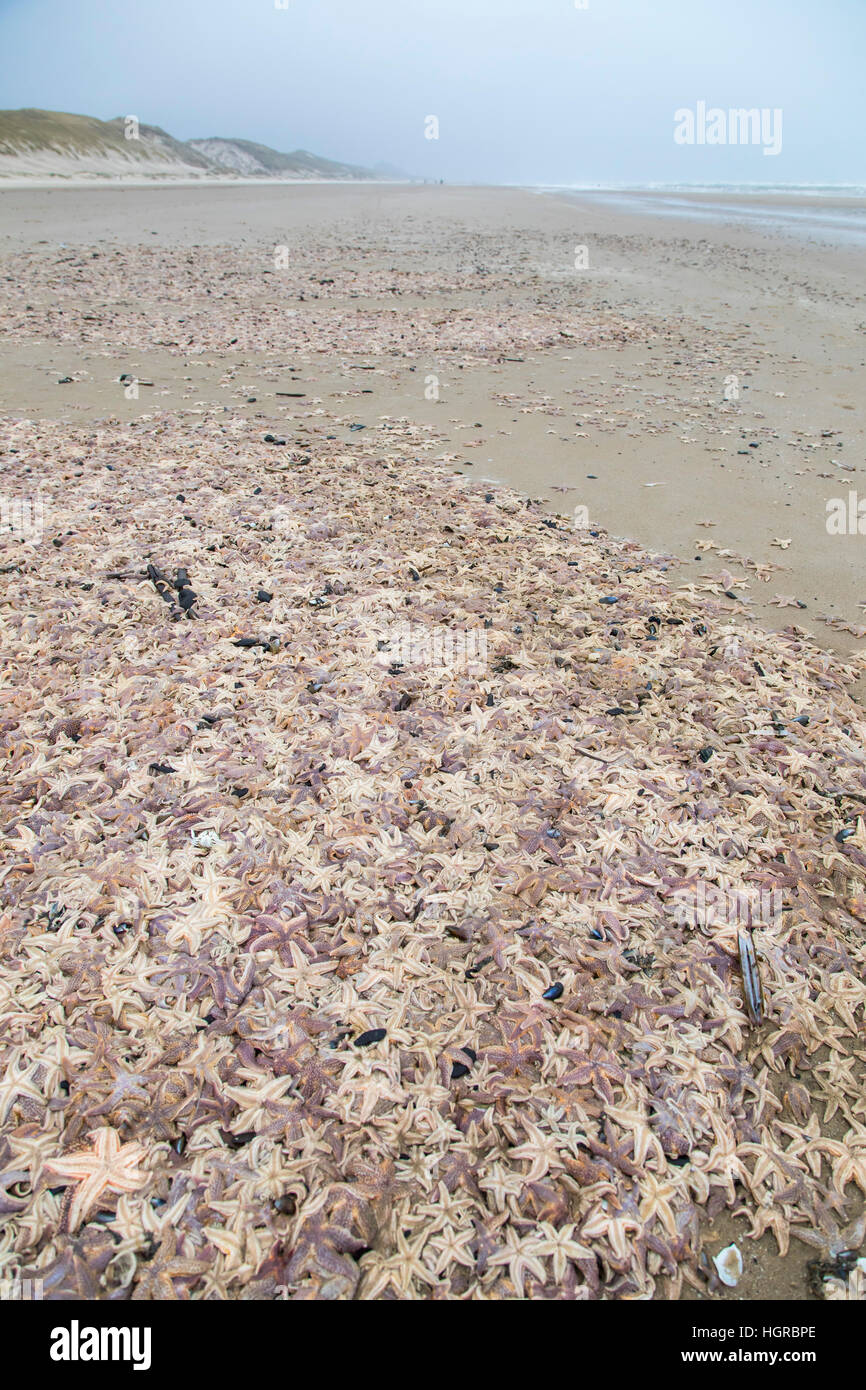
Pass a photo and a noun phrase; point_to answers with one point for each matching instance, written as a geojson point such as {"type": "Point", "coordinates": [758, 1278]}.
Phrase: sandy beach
{"type": "Point", "coordinates": [339, 967]}
{"type": "Point", "coordinates": [692, 373]}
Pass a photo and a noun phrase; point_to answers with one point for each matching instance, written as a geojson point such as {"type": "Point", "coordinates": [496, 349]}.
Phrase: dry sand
{"type": "Point", "coordinates": [453, 325]}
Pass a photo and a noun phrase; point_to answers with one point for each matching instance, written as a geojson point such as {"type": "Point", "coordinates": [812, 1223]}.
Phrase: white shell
{"type": "Point", "coordinates": [729, 1265]}
{"type": "Point", "coordinates": [204, 839]}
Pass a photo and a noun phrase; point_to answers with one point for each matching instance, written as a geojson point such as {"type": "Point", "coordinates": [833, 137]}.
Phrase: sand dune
{"type": "Point", "coordinates": [36, 144]}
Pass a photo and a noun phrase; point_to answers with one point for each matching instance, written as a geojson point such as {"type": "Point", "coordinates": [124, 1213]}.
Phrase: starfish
{"type": "Point", "coordinates": [502, 1184]}
{"type": "Point", "coordinates": [341, 1225]}
{"type": "Point", "coordinates": [521, 1256]}
{"type": "Point", "coordinates": [613, 1225]}
{"type": "Point", "coordinates": [616, 1155]}
{"type": "Point", "coordinates": [847, 1161]}
{"type": "Point", "coordinates": [166, 1106]}
{"type": "Point", "coordinates": [541, 1150]}
{"type": "Point", "coordinates": [109, 1166]}
{"type": "Point", "coordinates": [458, 1170]}
{"type": "Point", "coordinates": [16, 1084]}
{"type": "Point", "coordinates": [399, 1271]}
{"type": "Point", "coordinates": [451, 1249]}
{"type": "Point", "coordinates": [71, 1276]}
{"type": "Point", "coordinates": [128, 1093]}
{"type": "Point", "coordinates": [517, 1052]}
{"type": "Point", "coordinates": [544, 1202]}
{"type": "Point", "coordinates": [278, 934]}
{"type": "Point", "coordinates": [540, 839]}
{"type": "Point", "coordinates": [560, 1247]}
{"type": "Point", "coordinates": [590, 1070]}
{"type": "Point", "coordinates": [656, 1201]}
{"type": "Point", "coordinates": [254, 1100]}
{"type": "Point", "coordinates": [157, 1281]}
{"type": "Point", "coordinates": [828, 1236]}
{"type": "Point", "coordinates": [764, 1219]}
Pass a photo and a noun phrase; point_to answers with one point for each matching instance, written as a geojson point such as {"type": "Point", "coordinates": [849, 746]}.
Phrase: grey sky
{"type": "Point", "coordinates": [530, 91]}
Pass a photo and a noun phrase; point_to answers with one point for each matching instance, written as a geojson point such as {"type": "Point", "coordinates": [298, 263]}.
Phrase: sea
{"type": "Point", "coordinates": [829, 212]}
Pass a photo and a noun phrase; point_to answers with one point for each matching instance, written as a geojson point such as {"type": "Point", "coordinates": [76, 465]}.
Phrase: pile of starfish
{"type": "Point", "coordinates": [372, 926]}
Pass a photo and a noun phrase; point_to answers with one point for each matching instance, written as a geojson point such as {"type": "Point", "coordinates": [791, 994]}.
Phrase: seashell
{"type": "Point", "coordinates": [123, 1267]}
{"type": "Point", "coordinates": [754, 994]}
{"type": "Point", "coordinates": [204, 839]}
{"type": "Point", "coordinates": [729, 1266]}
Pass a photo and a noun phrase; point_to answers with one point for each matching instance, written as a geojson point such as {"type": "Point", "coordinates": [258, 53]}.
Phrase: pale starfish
{"type": "Point", "coordinates": [521, 1256]}
{"type": "Point", "coordinates": [109, 1166]}
{"type": "Point", "coordinates": [560, 1247]}
{"type": "Point", "coordinates": [19, 1083]}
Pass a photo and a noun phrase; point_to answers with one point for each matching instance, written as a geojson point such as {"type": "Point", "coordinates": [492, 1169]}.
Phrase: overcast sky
{"type": "Point", "coordinates": [528, 91]}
